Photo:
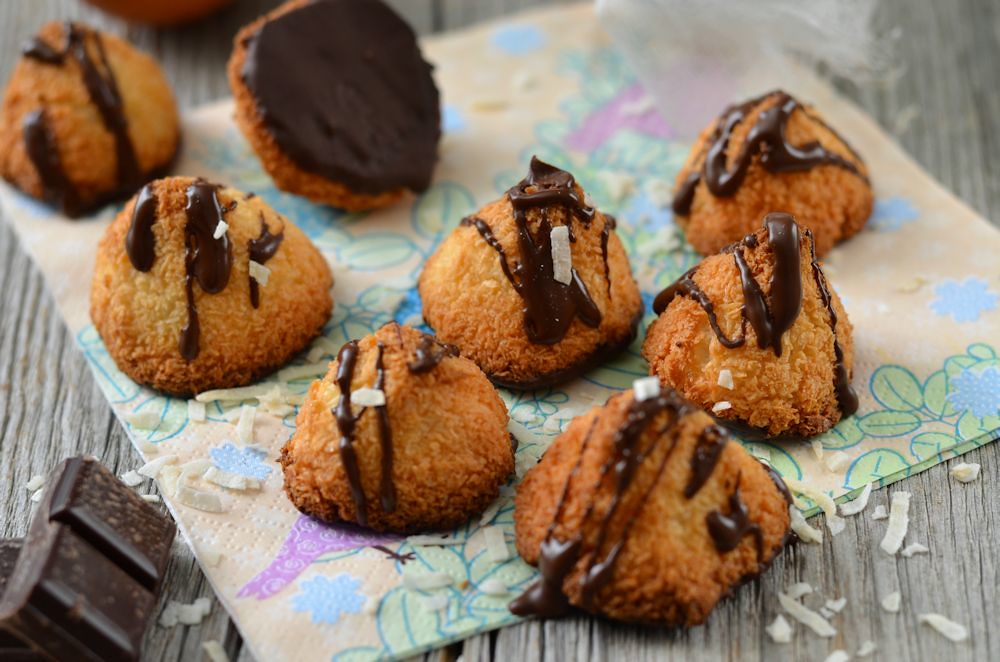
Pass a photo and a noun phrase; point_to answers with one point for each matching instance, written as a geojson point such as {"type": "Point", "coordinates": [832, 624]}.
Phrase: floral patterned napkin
{"type": "Point", "coordinates": [920, 284]}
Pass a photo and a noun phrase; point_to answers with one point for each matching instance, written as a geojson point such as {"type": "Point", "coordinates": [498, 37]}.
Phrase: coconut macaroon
{"type": "Point", "coordinates": [757, 336]}
{"type": "Point", "coordinates": [401, 435]}
{"type": "Point", "coordinates": [643, 510]}
{"type": "Point", "coordinates": [535, 287]}
{"type": "Point", "coordinates": [86, 118]}
{"type": "Point", "coordinates": [337, 101]}
{"type": "Point", "coordinates": [199, 286]}
{"type": "Point", "coordinates": [771, 153]}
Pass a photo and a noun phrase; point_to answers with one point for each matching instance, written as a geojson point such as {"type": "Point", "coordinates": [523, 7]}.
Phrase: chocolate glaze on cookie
{"type": "Point", "coordinates": [343, 89]}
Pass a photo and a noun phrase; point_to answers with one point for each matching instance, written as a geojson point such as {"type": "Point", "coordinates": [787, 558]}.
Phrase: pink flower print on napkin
{"type": "Point", "coordinates": [631, 109]}
{"type": "Point", "coordinates": [307, 541]}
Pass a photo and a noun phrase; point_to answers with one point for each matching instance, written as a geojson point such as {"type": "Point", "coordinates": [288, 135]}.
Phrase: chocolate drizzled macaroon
{"type": "Point", "coordinates": [401, 434]}
{"type": "Point", "coordinates": [337, 101]}
{"type": "Point", "coordinates": [535, 287]}
{"type": "Point", "coordinates": [86, 118]}
{"type": "Point", "coordinates": [198, 286]}
{"type": "Point", "coordinates": [757, 336]}
{"type": "Point", "coordinates": [768, 153]}
{"type": "Point", "coordinates": [643, 510]}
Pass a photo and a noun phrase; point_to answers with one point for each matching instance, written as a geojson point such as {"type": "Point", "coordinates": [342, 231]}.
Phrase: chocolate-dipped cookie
{"type": "Point", "coordinates": [337, 101]}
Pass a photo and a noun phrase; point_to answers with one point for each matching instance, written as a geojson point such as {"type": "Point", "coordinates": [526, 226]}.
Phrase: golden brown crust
{"type": "Point", "coordinates": [469, 302]}
{"type": "Point", "coordinates": [829, 200]}
{"type": "Point", "coordinates": [790, 394]}
{"type": "Point", "coordinates": [86, 147]}
{"type": "Point", "coordinates": [451, 448]}
{"type": "Point", "coordinates": [287, 175]}
{"type": "Point", "coordinates": [669, 571]}
{"type": "Point", "coordinates": [140, 315]}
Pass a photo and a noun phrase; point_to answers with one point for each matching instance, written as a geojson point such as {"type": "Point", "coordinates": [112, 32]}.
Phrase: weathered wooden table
{"type": "Point", "coordinates": [944, 109]}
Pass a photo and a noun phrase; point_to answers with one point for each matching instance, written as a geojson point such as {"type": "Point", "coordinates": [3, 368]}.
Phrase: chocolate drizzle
{"type": "Point", "coordinates": [557, 558]}
{"type": "Point", "coordinates": [728, 531]}
{"type": "Point", "coordinates": [711, 442]}
{"type": "Point", "coordinates": [347, 422]}
{"type": "Point", "coordinates": [549, 305]}
{"type": "Point", "coordinates": [771, 316]}
{"type": "Point", "coordinates": [429, 353]}
{"type": "Point", "coordinates": [766, 139]}
{"type": "Point", "coordinates": [206, 259]}
{"type": "Point", "coordinates": [41, 147]}
{"type": "Point", "coordinates": [140, 244]}
{"type": "Point", "coordinates": [261, 250]}
{"type": "Point", "coordinates": [102, 88]}
{"type": "Point", "coordinates": [342, 87]}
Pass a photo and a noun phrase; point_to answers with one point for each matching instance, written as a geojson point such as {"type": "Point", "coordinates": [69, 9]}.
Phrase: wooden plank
{"type": "Point", "coordinates": [50, 406]}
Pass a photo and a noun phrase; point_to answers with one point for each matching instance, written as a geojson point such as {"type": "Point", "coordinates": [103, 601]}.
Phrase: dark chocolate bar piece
{"type": "Point", "coordinates": [86, 583]}
{"type": "Point", "coordinates": [12, 648]}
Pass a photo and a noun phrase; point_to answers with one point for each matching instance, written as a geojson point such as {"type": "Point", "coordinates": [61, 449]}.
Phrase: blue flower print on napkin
{"type": "Point", "coordinates": [246, 461]}
{"type": "Point", "coordinates": [518, 39]}
{"type": "Point", "coordinates": [964, 301]}
{"type": "Point", "coordinates": [326, 599]}
{"type": "Point", "coordinates": [891, 214]}
{"type": "Point", "coordinates": [977, 392]}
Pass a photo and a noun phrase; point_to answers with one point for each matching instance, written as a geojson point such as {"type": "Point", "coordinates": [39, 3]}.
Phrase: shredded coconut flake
{"type": "Point", "coordinates": [259, 272]}
{"type": "Point", "coordinates": [562, 255]}
{"type": "Point", "coordinates": [836, 606]}
{"type": "Point", "coordinates": [826, 613]}
{"type": "Point", "coordinates": [914, 548]}
{"type": "Point", "coordinates": [152, 468]}
{"type": "Point", "coordinates": [368, 397]}
{"type": "Point", "coordinates": [966, 472]}
{"type": "Point", "coordinates": [491, 512]}
{"type": "Point", "coordinates": [186, 614]}
{"type": "Point", "coordinates": [244, 426]}
{"type": "Point", "coordinates": [949, 628]}
{"type": "Point", "coordinates": [435, 541]}
{"type": "Point", "coordinates": [726, 379]}
{"type": "Point", "coordinates": [838, 656]}
{"type": "Point", "coordinates": [493, 587]}
{"type": "Point", "coordinates": [35, 483]}
{"type": "Point", "coordinates": [646, 388]}
{"type": "Point", "coordinates": [427, 581]}
{"type": "Point", "coordinates": [197, 411]}
{"type": "Point", "coordinates": [806, 616]}
{"type": "Point", "coordinates": [836, 461]}
{"type": "Point", "coordinates": [891, 602]}
{"type": "Point", "coordinates": [131, 478]}
{"type": "Point", "coordinates": [859, 503]}
{"type": "Point", "coordinates": [437, 602]}
{"type": "Point", "coordinates": [802, 528]}
{"type": "Point", "coordinates": [880, 513]}
{"type": "Point", "coordinates": [899, 520]}
{"type": "Point", "coordinates": [214, 651]}
{"type": "Point", "coordinates": [199, 500]}
{"type": "Point", "coordinates": [237, 394]}
{"type": "Point", "coordinates": [37, 495]}
{"type": "Point", "coordinates": [230, 480]}
{"type": "Point", "coordinates": [194, 469]}
{"type": "Point", "coordinates": [220, 230]}
{"type": "Point", "coordinates": [211, 556]}
{"type": "Point", "coordinates": [780, 630]}
{"type": "Point", "coordinates": [797, 590]}
{"type": "Point", "coordinates": [867, 648]}
{"type": "Point", "coordinates": [817, 449]}
{"type": "Point", "coordinates": [619, 185]}
{"type": "Point", "coordinates": [660, 192]}
{"type": "Point", "coordinates": [150, 498]}
{"type": "Point", "coordinates": [721, 406]}
{"type": "Point", "coordinates": [308, 370]}
{"type": "Point", "coordinates": [834, 522]}
{"type": "Point", "coordinates": [143, 420]}
{"type": "Point", "coordinates": [639, 106]}
{"type": "Point", "coordinates": [496, 544]}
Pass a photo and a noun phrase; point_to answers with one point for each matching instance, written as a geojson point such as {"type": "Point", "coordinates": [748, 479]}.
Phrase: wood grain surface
{"type": "Point", "coordinates": [945, 110]}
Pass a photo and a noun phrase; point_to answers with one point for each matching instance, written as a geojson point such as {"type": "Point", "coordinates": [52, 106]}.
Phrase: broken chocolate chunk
{"type": "Point", "coordinates": [86, 585]}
